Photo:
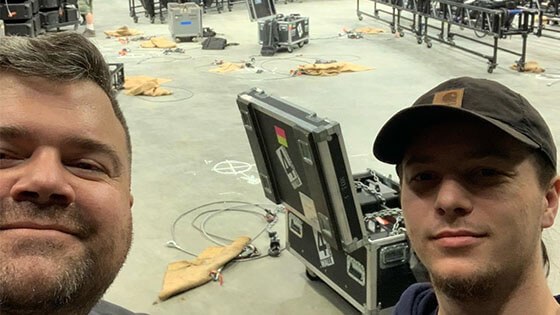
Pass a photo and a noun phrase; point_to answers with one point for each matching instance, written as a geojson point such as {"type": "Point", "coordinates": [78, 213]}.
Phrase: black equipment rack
{"type": "Point", "coordinates": [117, 75]}
{"type": "Point", "coordinates": [548, 21]}
{"type": "Point", "coordinates": [219, 5]}
{"type": "Point", "coordinates": [153, 8]}
{"type": "Point", "coordinates": [497, 23]}
{"type": "Point", "coordinates": [149, 8]}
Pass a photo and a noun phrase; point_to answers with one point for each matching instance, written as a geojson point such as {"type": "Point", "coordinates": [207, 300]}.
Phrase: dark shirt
{"type": "Point", "coordinates": [106, 308]}
{"type": "Point", "coordinates": [420, 299]}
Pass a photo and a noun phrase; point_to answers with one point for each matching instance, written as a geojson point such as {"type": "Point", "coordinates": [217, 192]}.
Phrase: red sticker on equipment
{"type": "Point", "coordinates": [281, 136]}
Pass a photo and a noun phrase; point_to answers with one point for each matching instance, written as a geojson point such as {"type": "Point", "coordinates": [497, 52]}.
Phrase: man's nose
{"type": "Point", "coordinates": [44, 180]}
{"type": "Point", "coordinates": [453, 198]}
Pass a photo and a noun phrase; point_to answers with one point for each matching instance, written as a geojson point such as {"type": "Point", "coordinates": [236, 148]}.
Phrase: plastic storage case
{"type": "Point", "coordinates": [185, 20]}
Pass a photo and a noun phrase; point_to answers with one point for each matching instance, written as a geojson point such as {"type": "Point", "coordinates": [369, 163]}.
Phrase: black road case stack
{"type": "Point", "coordinates": [21, 17]}
{"type": "Point", "coordinates": [59, 13]}
{"type": "Point", "coordinates": [346, 229]}
{"type": "Point", "coordinates": [278, 31]}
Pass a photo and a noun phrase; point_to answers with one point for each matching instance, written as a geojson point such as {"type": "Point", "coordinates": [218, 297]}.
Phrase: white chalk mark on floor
{"type": "Point", "coordinates": [243, 170]}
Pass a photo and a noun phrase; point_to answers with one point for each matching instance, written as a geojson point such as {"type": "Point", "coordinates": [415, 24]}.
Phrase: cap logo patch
{"type": "Point", "coordinates": [452, 98]}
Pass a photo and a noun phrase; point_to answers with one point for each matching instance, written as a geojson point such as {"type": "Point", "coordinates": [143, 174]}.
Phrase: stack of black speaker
{"type": "Point", "coordinates": [58, 13]}
{"type": "Point", "coordinates": [21, 17]}
{"type": "Point", "coordinates": [33, 17]}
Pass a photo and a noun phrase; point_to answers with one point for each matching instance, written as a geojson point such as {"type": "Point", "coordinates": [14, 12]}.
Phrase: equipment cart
{"type": "Point", "coordinates": [277, 31]}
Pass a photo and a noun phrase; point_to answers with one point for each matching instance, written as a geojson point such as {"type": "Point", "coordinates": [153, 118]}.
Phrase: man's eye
{"type": "Point", "coordinates": [8, 160]}
{"type": "Point", "coordinates": [5, 156]}
{"type": "Point", "coordinates": [87, 166]}
{"type": "Point", "coordinates": [488, 172]}
{"type": "Point", "coordinates": [423, 176]}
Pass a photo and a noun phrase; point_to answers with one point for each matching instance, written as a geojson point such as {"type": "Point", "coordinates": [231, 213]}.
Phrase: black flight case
{"type": "Point", "coordinates": [346, 229]}
{"type": "Point", "coordinates": [278, 31]}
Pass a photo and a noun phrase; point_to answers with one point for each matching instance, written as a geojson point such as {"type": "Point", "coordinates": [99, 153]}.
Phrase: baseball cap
{"type": "Point", "coordinates": [462, 99]}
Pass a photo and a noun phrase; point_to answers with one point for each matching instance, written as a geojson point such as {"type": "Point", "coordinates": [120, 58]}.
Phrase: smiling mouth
{"type": "Point", "coordinates": [33, 228]}
{"type": "Point", "coordinates": [458, 239]}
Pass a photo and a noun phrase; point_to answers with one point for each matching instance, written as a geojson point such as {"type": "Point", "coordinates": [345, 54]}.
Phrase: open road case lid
{"type": "Point", "coordinates": [302, 163]}
{"type": "Point", "coordinates": [260, 9]}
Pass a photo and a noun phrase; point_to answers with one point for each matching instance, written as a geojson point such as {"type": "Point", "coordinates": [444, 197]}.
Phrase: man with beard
{"type": "Point", "coordinates": [477, 167]}
{"type": "Point", "coordinates": [65, 163]}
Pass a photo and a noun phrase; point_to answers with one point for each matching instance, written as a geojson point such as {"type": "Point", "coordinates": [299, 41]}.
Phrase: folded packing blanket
{"type": "Point", "coordinates": [369, 30]}
{"type": "Point", "coordinates": [158, 42]}
{"type": "Point", "coordinates": [123, 31]}
{"type": "Point", "coordinates": [530, 66]}
{"type": "Point", "coordinates": [187, 274]}
{"type": "Point", "coordinates": [329, 69]}
{"type": "Point", "coordinates": [228, 67]}
{"type": "Point", "coordinates": [144, 85]}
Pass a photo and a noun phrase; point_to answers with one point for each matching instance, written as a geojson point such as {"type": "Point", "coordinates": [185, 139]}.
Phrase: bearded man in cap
{"type": "Point", "coordinates": [477, 167]}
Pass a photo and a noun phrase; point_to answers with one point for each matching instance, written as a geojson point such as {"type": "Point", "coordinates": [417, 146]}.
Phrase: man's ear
{"type": "Point", "coordinates": [131, 200]}
{"type": "Point", "coordinates": [551, 203]}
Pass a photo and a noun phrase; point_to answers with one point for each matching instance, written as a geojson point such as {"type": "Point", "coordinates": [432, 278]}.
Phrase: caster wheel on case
{"type": "Point", "coordinates": [311, 275]}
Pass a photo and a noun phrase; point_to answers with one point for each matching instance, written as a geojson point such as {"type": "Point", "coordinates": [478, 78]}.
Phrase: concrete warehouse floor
{"type": "Point", "coordinates": [190, 148]}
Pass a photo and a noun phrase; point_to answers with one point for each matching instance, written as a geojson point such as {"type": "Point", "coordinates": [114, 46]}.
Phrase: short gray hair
{"type": "Point", "coordinates": [63, 57]}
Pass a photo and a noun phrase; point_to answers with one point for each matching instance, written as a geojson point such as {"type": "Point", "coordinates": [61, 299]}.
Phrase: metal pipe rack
{"type": "Point", "coordinates": [548, 19]}
{"type": "Point", "coordinates": [149, 8]}
{"type": "Point", "coordinates": [117, 75]}
{"type": "Point", "coordinates": [497, 23]}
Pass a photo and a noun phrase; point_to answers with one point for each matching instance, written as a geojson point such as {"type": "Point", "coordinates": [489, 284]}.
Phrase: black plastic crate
{"type": "Point", "coordinates": [69, 15]}
{"type": "Point", "coordinates": [19, 10]}
{"type": "Point", "coordinates": [50, 17]}
{"type": "Point", "coordinates": [48, 4]}
{"type": "Point", "coordinates": [31, 27]}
